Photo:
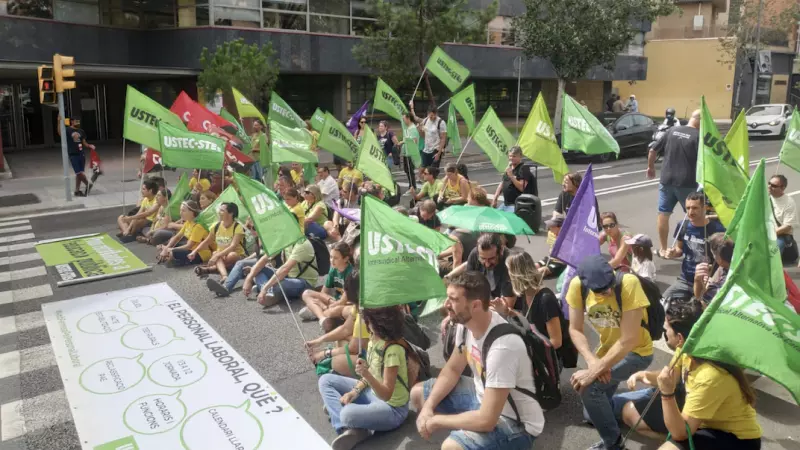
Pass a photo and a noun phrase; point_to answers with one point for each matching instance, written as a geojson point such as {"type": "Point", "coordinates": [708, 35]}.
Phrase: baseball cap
{"type": "Point", "coordinates": [640, 239]}
{"type": "Point", "coordinates": [554, 222]}
{"type": "Point", "coordinates": [596, 273]}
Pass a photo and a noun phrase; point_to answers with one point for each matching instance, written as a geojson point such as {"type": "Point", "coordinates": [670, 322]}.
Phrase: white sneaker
{"type": "Point", "coordinates": [306, 314]}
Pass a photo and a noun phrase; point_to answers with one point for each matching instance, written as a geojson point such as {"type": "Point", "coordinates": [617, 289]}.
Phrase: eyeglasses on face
{"type": "Point", "coordinates": [775, 186]}
{"type": "Point", "coordinates": [608, 226]}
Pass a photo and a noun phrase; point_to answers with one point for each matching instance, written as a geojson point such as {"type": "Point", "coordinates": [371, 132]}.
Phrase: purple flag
{"type": "Point", "coordinates": [579, 234]}
{"type": "Point", "coordinates": [352, 123]}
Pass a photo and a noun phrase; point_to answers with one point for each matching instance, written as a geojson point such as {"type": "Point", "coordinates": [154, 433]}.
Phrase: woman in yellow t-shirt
{"type": "Point", "coordinates": [162, 229]}
{"type": "Point", "coordinates": [227, 238]}
{"type": "Point", "coordinates": [455, 190]}
{"type": "Point", "coordinates": [186, 239]}
{"type": "Point", "coordinates": [130, 226]}
{"type": "Point", "coordinates": [292, 199]}
{"type": "Point", "coordinates": [316, 212]}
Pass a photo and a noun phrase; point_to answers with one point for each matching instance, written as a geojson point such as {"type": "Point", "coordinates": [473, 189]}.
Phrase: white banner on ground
{"type": "Point", "coordinates": [142, 370]}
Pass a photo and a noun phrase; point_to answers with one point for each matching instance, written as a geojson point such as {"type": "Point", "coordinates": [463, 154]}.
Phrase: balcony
{"type": "Point", "coordinates": [688, 32]}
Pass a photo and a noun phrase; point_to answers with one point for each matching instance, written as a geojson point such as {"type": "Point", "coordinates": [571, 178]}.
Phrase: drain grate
{"type": "Point", "coordinates": [18, 200]}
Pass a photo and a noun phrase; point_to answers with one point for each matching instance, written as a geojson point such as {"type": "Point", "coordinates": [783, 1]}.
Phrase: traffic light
{"type": "Point", "coordinates": [47, 89]}
{"type": "Point", "coordinates": [62, 69]}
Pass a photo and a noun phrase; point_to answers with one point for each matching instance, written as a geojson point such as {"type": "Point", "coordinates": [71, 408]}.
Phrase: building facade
{"type": "Point", "coordinates": [155, 46]}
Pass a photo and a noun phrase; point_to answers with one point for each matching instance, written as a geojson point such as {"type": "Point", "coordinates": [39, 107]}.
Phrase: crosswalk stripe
{"type": "Point", "coordinates": [15, 229]}
{"type": "Point", "coordinates": [21, 322]}
{"type": "Point", "coordinates": [10, 222]}
{"type": "Point", "coordinates": [22, 274]}
{"type": "Point", "coordinates": [35, 256]}
{"type": "Point", "coordinates": [52, 407]}
{"type": "Point", "coordinates": [9, 364]}
{"type": "Point", "coordinates": [20, 237]}
{"type": "Point", "coordinates": [26, 360]}
{"type": "Point", "coordinates": [8, 325]}
{"type": "Point", "coordinates": [29, 293]}
{"type": "Point", "coordinates": [15, 247]}
{"type": "Point", "coordinates": [12, 423]}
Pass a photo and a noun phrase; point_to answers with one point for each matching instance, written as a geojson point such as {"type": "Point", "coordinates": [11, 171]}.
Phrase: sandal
{"type": "Point", "coordinates": [201, 272]}
{"type": "Point", "coordinates": [142, 240]}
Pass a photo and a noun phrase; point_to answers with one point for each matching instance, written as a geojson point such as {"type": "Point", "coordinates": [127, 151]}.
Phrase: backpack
{"type": "Point", "coordinates": [414, 334]}
{"type": "Point", "coordinates": [541, 354]}
{"type": "Point", "coordinates": [322, 257]}
{"type": "Point", "coordinates": [655, 312]}
{"type": "Point", "coordinates": [417, 361]}
{"type": "Point", "coordinates": [438, 123]}
{"type": "Point", "coordinates": [449, 343]}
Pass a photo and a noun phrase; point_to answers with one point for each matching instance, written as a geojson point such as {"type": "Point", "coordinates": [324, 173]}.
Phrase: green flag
{"type": "Point", "coordinates": [399, 257]}
{"type": "Point", "coordinates": [187, 150]}
{"type": "Point", "coordinates": [142, 116]}
{"type": "Point", "coordinates": [790, 151]}
{"type": "Point", "coordinates": [318, 120]}
{"type": "Point", "coordinates": [387, 100]}
{"type": "Point", "coordinates": [738, 142]}
{"type": "Point", "coordinates": [178, 195]}
{"type": "Point", "coordinates": [336, 139]}
{"type": "Point", "coordinates": [411, 141]}
{"type": "Point", "coordinates": [240, 131]}
{"type": "Point", "coordinates": [275, 224]}
{"type": "Point", "coordinates": [266, 162]}
{"type": "Point", "coordinates": [447, 69]}
{"type": "Point", "coordinates": [493, 138]}
{"type": "Point", "coordinates": [209, 216]}
{"type": "Point", "coordinates": [371, 162]}
{"type": "Point", "coordinates": [746, 327]}
{"type": "Point", "coordinates": [539, 143]}
{"type": "Point", "coordinates": [722, 179]}
{"type": "Point", "coordinates": [581, 131]}
{"type": "Point", "coordinates": [290, 144]}
{"type": "Point", "coordinates": [754, 224]}
{"type": "Point", "coordinates": [464, 101]}
{"type": "Point", "coordinates": [282, 113]}
{"type": "Point", "coordinates": [245, 108]}
{"type": "Point", "coordinates": [452, 129]}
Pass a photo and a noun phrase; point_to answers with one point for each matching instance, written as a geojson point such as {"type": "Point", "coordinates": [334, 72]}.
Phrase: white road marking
{"type": "Point", "coordinates": [22, 274]}
{"type": "Point", "coordinates": [15, 221]}
{"type": "Point", "coordinates": [16, 229]}
{"type": "Point", "coordinates": [20, 237]}
{"type": "Point", "coordinates": [607, 177]}
{"type": "Point", "coordinates": [53, 409]}
{"type": "Point", "coordinates": [21, 295]}
{"type": "Point", "coordinates": [21, 322]}
{"type": "Point", "coordinates": [14, 247]}
{"type": "Point", "coordinates": [8, 325]}
{"type": "Point", "coordinates": [9, 364]}
{"type": "Point", "coordinates": [12, 421]}
{"type": "Point", "coordinates": [27, 360]}
{"type": "Point", "coordinates": [35, 256]}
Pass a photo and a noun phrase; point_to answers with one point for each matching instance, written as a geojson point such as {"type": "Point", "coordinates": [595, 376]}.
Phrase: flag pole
{"type": "Point", "coordinates": [414, 95]}
{"type": "Point", "coordinates": [289, 305]}
{"type": "Point", "coordinates": [122, 177]}
{"type": "Point", "coordinates": [469, 138]}
{"type": "Point", "coordinates": [445, 102]}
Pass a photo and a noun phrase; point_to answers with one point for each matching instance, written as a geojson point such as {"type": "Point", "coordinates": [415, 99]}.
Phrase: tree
{"type": "Point", "coordinates": [577, 35]}
{"type": "Point", "coordinates": [249, 68]}
{"type": "Point", "coordinates": [406, 32]}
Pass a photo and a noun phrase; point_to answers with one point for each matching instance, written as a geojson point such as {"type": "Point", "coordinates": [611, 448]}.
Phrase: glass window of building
{"type": "Point", "coordinates": [360, 26]}
{"type": "Point", "coordinates": [337, 7]}
{"type": "Point", "coordinates": [285, 21]}
{"type": "Point", "coordinates": [237, 17]}
{"type": "Point", "coordinates": [285, 5]}
{"type": "Point", "coordinates": [77, 11]}
{"type": "Point", "coordinates": [159, 14]}
{"type": "Point", "coordinates": [330, 24]}
{"type": "Point", "coordinates": [42, 9]}
{"type": "Point", "coordinates": [193, 16]}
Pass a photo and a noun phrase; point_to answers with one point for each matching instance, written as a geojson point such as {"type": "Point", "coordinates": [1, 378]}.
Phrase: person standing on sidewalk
{"type": "Point", "coordinates": [785, 211]}
{"type": "Point", "coordinates": [435, 136]}
{"type": "Point", "coordinates": [76, 142]}
{"type": "Point", "coordinates": [679, 147]}
{"type": "Point", "coordinates": [516, 180]}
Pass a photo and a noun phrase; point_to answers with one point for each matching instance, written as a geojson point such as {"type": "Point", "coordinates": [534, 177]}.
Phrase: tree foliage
{"type": "Point", "coordinates": [777, 19]}
{"type": "Point", "coordinates": [396, 48]}
{"type": "Point", "coordinates": [249, 68]}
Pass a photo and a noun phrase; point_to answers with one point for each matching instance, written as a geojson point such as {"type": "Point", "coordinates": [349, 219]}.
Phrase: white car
{"type": "Point", "coordinates": [768, 120]}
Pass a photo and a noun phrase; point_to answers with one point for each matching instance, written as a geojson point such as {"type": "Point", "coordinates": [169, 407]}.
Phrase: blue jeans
{"type": "Point", "coordinates": [256, 172]}
{"type": "Point", "coordinates": [507, 435]}
{"type": "Point", "coordinates": [669, 196]}
{"type": "Point", "coordinates": [507, 208]}
{"type": "Point", "coordinates": [293, 287]}
{"type": "Point", "coordinates": [618, 401]}
{"type": "Point", "coordinates": [237, 273]}
{"type": "Point", "coordinates": [597, 398]}
{"type": "Point", "coordinates": [367, 411]}
{"type": "Point", "coordinates": [315, 229]}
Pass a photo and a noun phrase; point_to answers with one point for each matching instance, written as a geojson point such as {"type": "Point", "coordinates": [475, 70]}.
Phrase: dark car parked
{"type": "Point", "coordinates": [632, 131]}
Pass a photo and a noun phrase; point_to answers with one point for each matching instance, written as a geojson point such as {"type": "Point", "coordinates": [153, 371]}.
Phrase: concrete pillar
{"type": "Point", "coordinates": [341, 96]}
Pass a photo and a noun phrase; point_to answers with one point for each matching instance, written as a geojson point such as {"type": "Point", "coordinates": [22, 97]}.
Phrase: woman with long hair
{"type": "Point", "coordinates": [615, 237]}
{"type": "Point", "coordinates": [362, 129]}
{"type": "Point", "coordinates": [569, 187]}
{"type": "Point", "coordinates": [316, 212]}
{"type": "Point", "coordinates": [388, 141]}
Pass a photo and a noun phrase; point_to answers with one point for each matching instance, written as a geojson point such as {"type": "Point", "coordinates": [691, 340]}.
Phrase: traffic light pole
{"type": "Point", "coordinates": [64, 157]}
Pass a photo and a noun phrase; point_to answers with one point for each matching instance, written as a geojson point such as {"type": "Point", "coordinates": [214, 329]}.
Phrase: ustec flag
{"type": "Point", "coordinates": [447, 69]}
{"type": "Point", "coordinates": [464, 101]}
{"type": "Point", "coordinates": [142, 116]}
{"type": "Point", "coordinates": [387, 100]}
{"type": "Point", "coordinates": [581, 131]}
{"type": "Point", "coordinates": [187, 150]}
{"type": "Point", "coordinates": [318, 120]}
{"type": "Point", "coordinates": [790, 151]}
{"type": "Point", "coordinates": [538, 142]}
{"type": "Point", "coordinates": [281, 112]}
{"type": "Point", "coordinates": [197, 117]}
{"type": "Point", "coordinates": [336, 139]}
{"type": "Point", "coordinates": [579, 234]}
{"type": "Point", "coordinates": [493, 138]}
{"type": "Point", "coordinates": [372, 162]}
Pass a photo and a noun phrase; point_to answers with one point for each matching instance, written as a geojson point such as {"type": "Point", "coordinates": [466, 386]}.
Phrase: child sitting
{"type": "Point", "coordinates": [642, 263]}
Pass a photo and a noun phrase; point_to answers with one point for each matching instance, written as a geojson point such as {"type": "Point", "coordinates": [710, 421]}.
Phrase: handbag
{"type": "Point", "coordinates": [790, 251]}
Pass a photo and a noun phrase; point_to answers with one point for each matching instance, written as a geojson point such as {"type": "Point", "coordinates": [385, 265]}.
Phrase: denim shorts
{"type": "Point", "coordinates": [669, 196]}
{"type": "Point", "coordinates": [507, 435]}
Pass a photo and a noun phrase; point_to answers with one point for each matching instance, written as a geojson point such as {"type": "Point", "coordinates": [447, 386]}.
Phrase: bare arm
{"type": "Point", "coordinates": [497, 194]}
{"type": "Point", "coordinates": [619, 258]}
{"type": "Point", "coordinates": [235, 243]}
{"type": "Point", "coordinates": [383, 390]}
{"type": "Point", "coordinates": [146, 213]}
{"type": "Point", "coordinates": [554, 331]}
{"type": "Point", "coordinates": [206, 242]}
{"type": "Point", "coordinates": [577, 336]}
{"type": "Point", "coordinates": [458, 270]}
{"type": "Point", "coordinates": [631, 337]}
{"type": "Point", "coordinates": [483, 420]}
{"type": "Point", "coordinates": [446, 381]}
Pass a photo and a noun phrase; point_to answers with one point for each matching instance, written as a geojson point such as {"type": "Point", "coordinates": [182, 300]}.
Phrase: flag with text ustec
{"type": "Point", "coordinates": [790, 150]}
{"type": "Point", "coordinates": [290, 144]}
{"type": "Point", "coordinates": [464, 101]}
{"type": "Point", "coordinates": [394, 251]}
{"type": "Point", "coordinates": [371, 162]}
{"type": "Point", "coordinates": [387, 100]}
{"type": "Point", "coordinates": [447, 69]}
{"type": "Point", "coordinates": [336, 139]}
{"type": "Point", "coordinates": [581, 131]}
{"type": "Point", "coordinates": [245, 107]}
{"type": "Point", "coordinates": [580, 232]}
{"type": "Point", "coordinates": [493, 138]}
{"type": "Point", "coordinates": [142, 116]}
{"type": "Point", "coordinates": [738, 141]}
{"type": "Point", "coordinates": [282, 113]}
{"type": "Point", "coordinates": [187, 150]}
{"type": "Point", "coordinates": [318, 120]}
{"type": "Point", "coordinates": [209, 216]}
{"type": "Point", "coordinates": [538, 142]}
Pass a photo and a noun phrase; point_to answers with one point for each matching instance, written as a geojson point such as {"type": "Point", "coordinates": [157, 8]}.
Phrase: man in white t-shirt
{"type": "Point", "coordinates": [435, 136]}
{"type": "Point", "coordinates": [785, 211]}
{"type": "Point", "coordinates": [327, 184]}
{"type": "Point", "coordinates": [479, 417]}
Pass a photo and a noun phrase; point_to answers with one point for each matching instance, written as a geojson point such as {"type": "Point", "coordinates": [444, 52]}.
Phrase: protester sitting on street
{"type": "Point", "coordinates": [569, 187]}
{"type": "Point", "coordinates": [642, 262]}
{"type": "Point", "coordinates": [455, 188]}
{"type": "Point", "coordinates": [478, 197]}
{"type": "Point", "coordinates": [617, 247]}
{"type": "Point", "coordinates": [488, 411]}
{"type": "Point", "coordinates": [187, 239]}
{"type": "Point", "coordinates": [515, 181]}
{"type": "Point", "coordinates": [431, 186]}
{"type": "Point", "coordinates": [284, 182]}
{"type": "Point", "coordinates": [130, 226]}
{"type": "Point", "coordinates": [226, 237]}
{"type": "Point", "coordinates": [784, 211]}
{"type": "Point", "coordinates": [328, 304]}
{"type": "Point", "coordinates": [298, 273]}
{"type": "Point", "coordinates": [316, 212]}
{"type": "Point", "coordinates": [625, 344]}
{"type": "Point", "coordinates": [198, 184]}
{"type": "Point", "coordinates": [549, 266]}
{"type": "Point", "coordinates": [426, 215]}
{"type": "Point", "coordinates": [707, 284]}
{"type": "Point", "coordinates": [489, 258]}
{"type": "Point", "coordinates": [327, 184]}
{"type": "Point", "coordinates": [338, 224]}
{"type": "Point", "coordinates": [238, 272]}
{"type": "Point", "coordinates": [298, 177]}
{"type": "Point", "coordinates": [629, 406]}
{"type": "Point", "coordinates": [378, 400]}
{"type": "Point", "coordinates": [295, 203]}
{"type": "Point", "coordinates": [692, 244]}
{"type": "Point", "coordinates": [161, 231]}
{"type": "Point", "coordinates": [206, 198]}
{"type": "Point", "coordinates": [350, 177]}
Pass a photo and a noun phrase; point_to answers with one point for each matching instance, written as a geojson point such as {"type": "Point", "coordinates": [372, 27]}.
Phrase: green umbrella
{"type": "Point", "coordinates": [482, 218]}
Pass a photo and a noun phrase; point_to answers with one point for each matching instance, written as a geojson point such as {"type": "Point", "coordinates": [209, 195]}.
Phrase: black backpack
{"type": "Point", "coordinates": [322, 257]}
{"type": "Point", "coordinates": [655, 312]}
{"type": "Point", "coordinates": [417, 361]}
{"type": "Point", "coordinates": [542, 355]}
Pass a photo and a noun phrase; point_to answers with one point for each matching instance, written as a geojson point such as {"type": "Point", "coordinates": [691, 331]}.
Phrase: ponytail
{"type": "Point", "coordinates": [738, 374]}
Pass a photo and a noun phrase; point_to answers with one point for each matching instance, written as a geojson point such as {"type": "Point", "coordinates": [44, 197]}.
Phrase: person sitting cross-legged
{"type": "Point", "coordinates": [329, 305]}
{"type": "Point", "coordinates": [240, 269]}
{"type": "Point", "coordinates": [191, 234]}
{"type": "Point", "coordinates": [130, 226]}
{"type": "Point", "coordinates": [227, 237]}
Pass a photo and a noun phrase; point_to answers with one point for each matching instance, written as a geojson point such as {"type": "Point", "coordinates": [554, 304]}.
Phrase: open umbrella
{"type": "Point", "coordinates": [482, 218]}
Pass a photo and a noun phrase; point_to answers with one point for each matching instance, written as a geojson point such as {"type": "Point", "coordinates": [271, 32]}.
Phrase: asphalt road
{"type": "Point", "coordinates": [35, 415]}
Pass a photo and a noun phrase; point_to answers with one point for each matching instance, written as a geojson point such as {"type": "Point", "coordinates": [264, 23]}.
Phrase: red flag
{"type": "Point", "coordinates": [237, 160]}
{"type": "Point", "coordinates": [197, 117]}
{"type": "Point", "coordinates": [792, 292]}
{"type": "Point", "coordinates": [152, 160]}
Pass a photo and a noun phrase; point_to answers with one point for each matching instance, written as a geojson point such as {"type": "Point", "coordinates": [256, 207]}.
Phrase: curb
{"type": "Point", "coordinates": [6, 173]}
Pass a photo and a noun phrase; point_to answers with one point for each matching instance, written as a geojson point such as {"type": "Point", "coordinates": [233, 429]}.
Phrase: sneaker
{"type": "Point", "coordinates": [271, 300]}
{"type": "Point", "coordinates": [350, 438]}
{"type": "Point", "coordinates": [601, 446]}
{"type": "Point", "coordinates": [306, 314]}
{"type": "Point", "coordinates": [78, 194]}
{"type": "Point", "coordinates": [217, 288]}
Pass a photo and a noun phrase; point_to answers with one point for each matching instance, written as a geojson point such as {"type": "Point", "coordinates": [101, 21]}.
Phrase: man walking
{"type": "Point", "coordinates": [785, 211]}
{"type": "Point", "coordinates": [679, 147]}
{"type": "Point", "coordinates": [516, 179]}
{"type": "Point", "coordinates": [435, 136]}
{"type": "Point", "coordinates": [76, 143]}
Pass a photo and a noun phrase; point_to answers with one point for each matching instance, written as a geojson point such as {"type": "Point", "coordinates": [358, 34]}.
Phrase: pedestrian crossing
{"type": "Point", "coordinates": [32, 397]}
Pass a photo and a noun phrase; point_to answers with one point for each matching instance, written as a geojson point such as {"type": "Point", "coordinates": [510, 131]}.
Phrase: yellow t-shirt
{"type": "Point", "coordinates": [147, 204]}
{"type": "Point", "coordinates": [323, 217]}
{"type": "Point", "coordinates": [359, 328]}
{"type": "Point", "coordinates": [297, 177]}
{"type": "Point", "coordinates": [314, 140]}
{"type": "Point", "coordinates": [714, 397]}
{"type": "Point", "coordinates": [604, 314]}
{"type": "Point", "coordinates": [349, 176]}
{"type": "Point", "coordinates": [395, 356]}
{"type": "Point", "coordinates": [300, 212]}
{"type": "Point", "coordinates": [194, 232]}
{"type": "Point", "coordinates": [204, 184]}
{"type": "Point", "coordinates": [452, 191]}
{"type": "Point", "coordinates": [224, 236]}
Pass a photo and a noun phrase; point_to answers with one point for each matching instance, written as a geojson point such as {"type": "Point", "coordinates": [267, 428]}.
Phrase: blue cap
{"type": "Point", "coordinates": [596, 273]}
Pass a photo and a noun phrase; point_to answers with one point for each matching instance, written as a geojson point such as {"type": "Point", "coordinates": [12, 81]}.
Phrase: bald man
{"type": "Point", "coordinates": [679, 147]}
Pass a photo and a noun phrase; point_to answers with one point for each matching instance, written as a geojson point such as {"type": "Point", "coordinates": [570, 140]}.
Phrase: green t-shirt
{"type": "Point", "coordinates": [412, 135]}
{"type": "Point", "coordinates": [335, 280]}
{"type": "Point", "coordinates": [395, 356]}
{"type": "Point", "coordinates": [303, 253]}
{"type": "Point", "coordinates": [430, 190]}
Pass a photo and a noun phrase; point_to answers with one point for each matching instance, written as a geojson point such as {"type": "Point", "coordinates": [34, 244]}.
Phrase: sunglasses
{"type": "Point", "coordinates": [608, 226]}
{"type": "Point", "coordinates": [776, 186]}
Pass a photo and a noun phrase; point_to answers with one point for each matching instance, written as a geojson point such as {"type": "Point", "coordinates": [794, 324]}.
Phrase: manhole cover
{"type": "Point", "coordinates": [18, 200]}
